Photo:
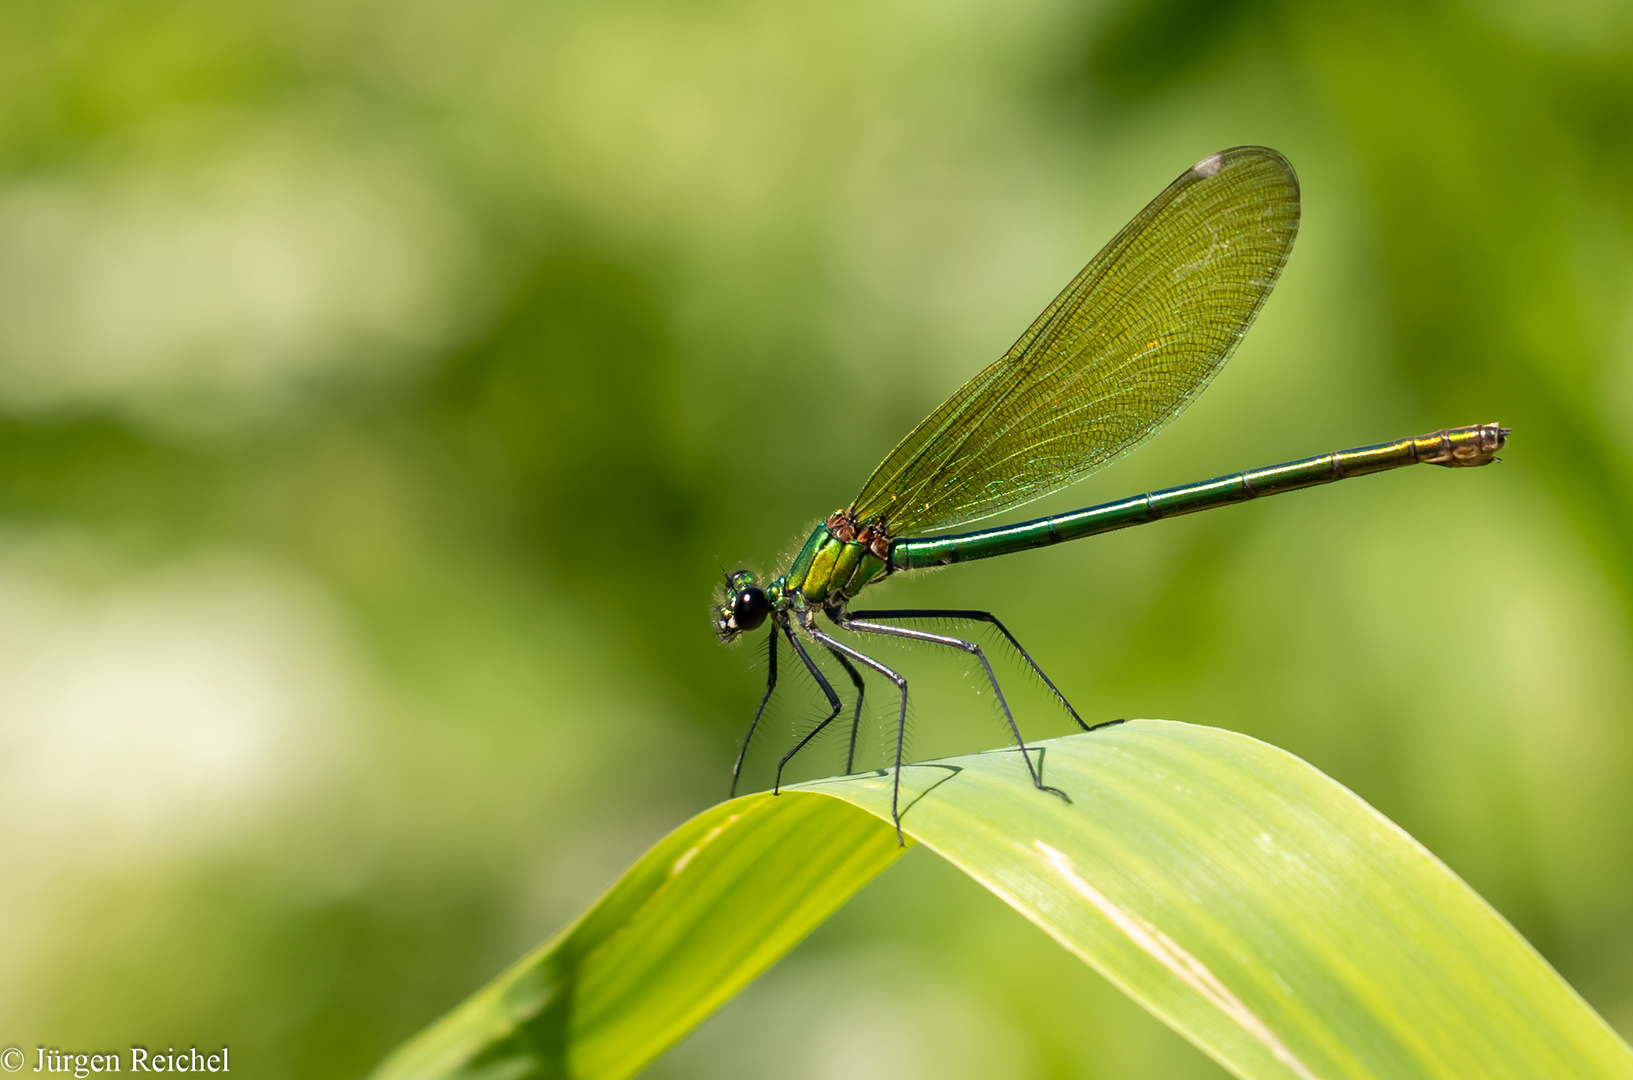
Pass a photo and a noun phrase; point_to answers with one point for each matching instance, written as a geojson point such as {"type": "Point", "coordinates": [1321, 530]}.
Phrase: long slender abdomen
{"type": "Point", "coordinates": [1450, 447]}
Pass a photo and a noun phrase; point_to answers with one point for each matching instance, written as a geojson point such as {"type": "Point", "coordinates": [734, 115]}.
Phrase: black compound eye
{"type": "Point", "coordinates": [750, 607]}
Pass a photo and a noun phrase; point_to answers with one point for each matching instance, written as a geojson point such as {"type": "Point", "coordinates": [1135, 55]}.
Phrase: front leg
{"type": "Point", "coordinates": [770, 685]}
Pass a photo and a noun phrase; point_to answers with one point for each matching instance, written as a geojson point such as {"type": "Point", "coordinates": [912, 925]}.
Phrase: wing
{"type": "Point", "coordinates": [1121, 352]}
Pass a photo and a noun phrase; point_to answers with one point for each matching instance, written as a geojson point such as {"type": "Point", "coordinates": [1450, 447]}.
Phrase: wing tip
{"type": "Point", "coordinates": [1209, 165]}
{"type": "Point", "coordinates": [1214, 163]}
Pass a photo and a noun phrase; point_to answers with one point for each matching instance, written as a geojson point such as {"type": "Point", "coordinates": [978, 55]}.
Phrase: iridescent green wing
{"type": "Point", "coordinates": [1118, 354]}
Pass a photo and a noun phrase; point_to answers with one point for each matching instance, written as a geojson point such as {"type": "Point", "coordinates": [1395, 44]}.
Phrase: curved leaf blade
{"type": "Point", "coordinates": [1255, 905]}
{"type": "Point", "coordinates": [702, 913]}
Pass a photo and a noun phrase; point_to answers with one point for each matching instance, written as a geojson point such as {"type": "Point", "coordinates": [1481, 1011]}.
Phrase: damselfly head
{"type": "Point", "coordinates": [745, 607]}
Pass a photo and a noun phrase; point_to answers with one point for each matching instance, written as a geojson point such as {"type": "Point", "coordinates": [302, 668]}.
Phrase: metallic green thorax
{"type": "Point", "coordinates": [838, 560]}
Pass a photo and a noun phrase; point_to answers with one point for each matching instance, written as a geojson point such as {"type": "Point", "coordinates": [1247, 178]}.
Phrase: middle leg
{"type": "Point", "coordinates": [827, 691]}
{"type": "Point", "coordinates": [901, 721]}
{"type": "Point", "coordinates": [856, 717]}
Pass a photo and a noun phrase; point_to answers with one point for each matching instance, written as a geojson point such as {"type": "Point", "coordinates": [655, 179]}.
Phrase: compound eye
{"type": "Point", "coordinates": [749, 608]}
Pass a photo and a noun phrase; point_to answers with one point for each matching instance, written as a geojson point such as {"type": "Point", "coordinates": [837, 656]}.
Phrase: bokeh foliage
{"type": "Point", "coordinates": [380, 382]}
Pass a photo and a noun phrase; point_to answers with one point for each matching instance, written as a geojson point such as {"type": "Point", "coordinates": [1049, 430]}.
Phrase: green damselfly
{"type": "Point", "coordinates": [1118, 354]}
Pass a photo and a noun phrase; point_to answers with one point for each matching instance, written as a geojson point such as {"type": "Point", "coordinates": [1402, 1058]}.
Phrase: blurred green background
{"type": "Point", "coordinates": [380, 381]}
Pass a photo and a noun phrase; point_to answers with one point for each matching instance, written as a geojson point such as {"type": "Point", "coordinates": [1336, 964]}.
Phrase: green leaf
{"type": "Point", "coordinates": [1258, 907]}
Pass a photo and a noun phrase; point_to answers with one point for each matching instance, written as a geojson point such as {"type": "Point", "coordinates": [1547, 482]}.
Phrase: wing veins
{"type": "Point", "coordinates": [1111, 360]}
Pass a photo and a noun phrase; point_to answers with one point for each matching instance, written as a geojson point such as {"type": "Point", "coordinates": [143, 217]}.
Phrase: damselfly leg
{"type": "Point", "coordinates": [901, 719]}
{"type": "Point", "coordinates": [978, 616]}
{"type": "Point", "coordinates": [863, 627]}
